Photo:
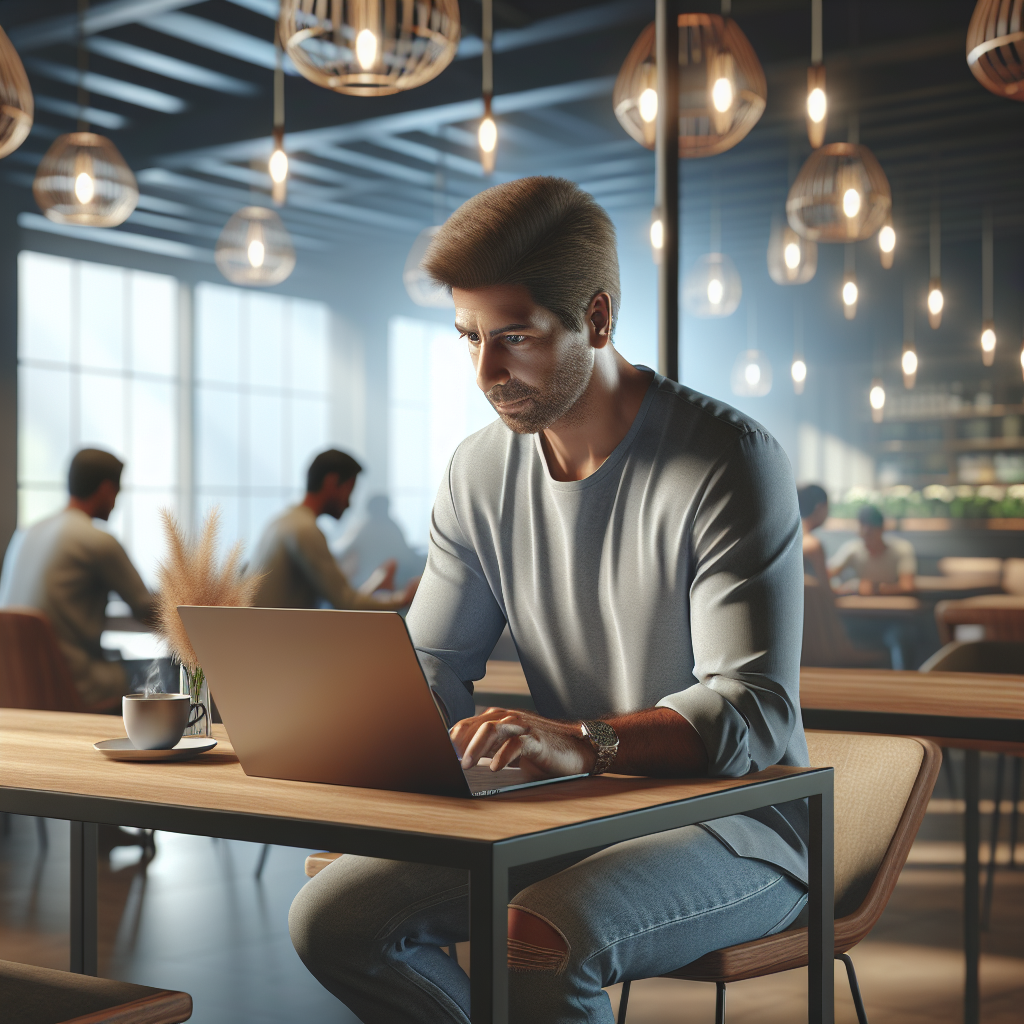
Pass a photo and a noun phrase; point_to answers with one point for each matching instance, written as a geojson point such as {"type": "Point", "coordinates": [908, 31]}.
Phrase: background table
{"type": "Point", "coordinates": [49, 769]}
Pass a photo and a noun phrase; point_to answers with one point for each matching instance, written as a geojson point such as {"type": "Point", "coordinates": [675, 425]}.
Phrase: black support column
{"type": "Point", "coordinates": [666, 185]}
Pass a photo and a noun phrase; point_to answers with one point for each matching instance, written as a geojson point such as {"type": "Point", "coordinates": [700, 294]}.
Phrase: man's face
{"type": "Point", "coordinates": [871, 535]}
{"type": "Point", "coordinates": [532, 369]}
{"type": "Point", "coordinates": [337, 495]}
{"type": "Point", "coordinates": [105, 497]}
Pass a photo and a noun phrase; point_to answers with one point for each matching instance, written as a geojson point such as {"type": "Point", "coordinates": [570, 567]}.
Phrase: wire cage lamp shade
{"type": "Point", "coordinates": [16, 104]}
{"type": "Point", "coordinates": [722, 88]}
{"type": "Point", "coordinates": [751, 375]}
{"type": "Point", "coordinates": [370, 47]}
{"type": "Point", "coordinates": [255, 248]}
{"type": "Point", "coordinates": [840, 195]}
{"type": "Point", "coordinates": [995, 47]}
{"type": "Point", "coordinates": [84, 180]}
{"type": "Point", "coordinates": [712, 287]}
{"type": "Point", "coordinates": [791, 259]}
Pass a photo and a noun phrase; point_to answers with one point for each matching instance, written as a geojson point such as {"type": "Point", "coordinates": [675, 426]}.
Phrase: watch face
{"type": "Point", "coordinates": [604, 735]}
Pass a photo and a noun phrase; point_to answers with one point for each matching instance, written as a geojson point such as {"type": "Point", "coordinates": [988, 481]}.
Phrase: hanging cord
{"type": "Point", "coordinates": [83, 67]}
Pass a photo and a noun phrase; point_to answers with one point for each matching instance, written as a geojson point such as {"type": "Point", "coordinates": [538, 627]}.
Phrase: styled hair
{"type": "Point", "coordinates": [89, 468]}
{"type": "Point", "coordinates": [869, 515]}
{"type": "Point", "coordinates": [545, 234]}
{"type": "Point", "coordinates": [331, 461]}
{"type": "Point", "coordinates": [809, 498]}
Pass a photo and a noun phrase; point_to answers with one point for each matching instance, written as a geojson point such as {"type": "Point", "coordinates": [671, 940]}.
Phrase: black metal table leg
{"type": "Point", "coordinates": [972, 837]}
{"type": "Point", "coordinates": [821, 911]}
{"type": "Point", "coordinates": [84, 921]}
{"type": "Point", "coordinates": [488, 936]}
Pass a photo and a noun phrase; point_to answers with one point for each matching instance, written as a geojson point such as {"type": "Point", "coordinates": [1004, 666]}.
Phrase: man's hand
{"type": "Point", "coordinates": [541, 747]}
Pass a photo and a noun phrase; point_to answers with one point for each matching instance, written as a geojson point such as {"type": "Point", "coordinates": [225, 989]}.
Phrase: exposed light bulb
{"type": "Point", "coordinates": [277, 165]}
{"type": "Point", "coordinates": [752, 374]}
{"type": "Point", "coordinates": [716, 292]}
{"type": "Point", "coordinates": [256, 252]}
{"type": "Point", "coordinates": [791, 255]}
{"type": "Point", "coordinates": [85, 188]}
{"type": "Point", "coordinates": [909, 362]}
{"type": "Point", "coordinates": [721, 94]}
{"type": "Point", "coordinates": [935, 301]}
{"type": "Point", "coordinates": [487, 135]}
{"type": "Point", "coordinates": [366, 49]}
{"type": "Point", "coordinates": [876, 396]}
{"type": "Point", "coordinates": [648, 105]}
{"type": "Point", "coordinates": [887, 238]}
{"type": "Point", "coordinates": [850, 293]}
{"type": "Point", "coordinates": [851, 202]}
{"type": "Point", "coordinates": [817, 105]}
{"type": "Point", "coordinates": [988, 340]}
{"type": "Point", "coordinates": [798, 371]}
{"type": "Point", "coordinates": [657, 233]}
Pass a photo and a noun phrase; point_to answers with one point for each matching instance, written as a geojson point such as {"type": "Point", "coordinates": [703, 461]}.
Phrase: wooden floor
{"type": "Point", "coordinates": [194, 918]}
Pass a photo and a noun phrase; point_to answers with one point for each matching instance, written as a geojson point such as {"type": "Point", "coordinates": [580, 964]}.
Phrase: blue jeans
{"type": "Point", "coordinates": [372, 931]}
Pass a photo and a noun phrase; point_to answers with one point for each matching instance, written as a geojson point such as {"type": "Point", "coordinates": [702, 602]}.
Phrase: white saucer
{"type": "Point", "coordinates": [187, 747]}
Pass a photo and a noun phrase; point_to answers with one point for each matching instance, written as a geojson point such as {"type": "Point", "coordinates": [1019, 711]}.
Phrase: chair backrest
{"type": "Point", "coordinates": [1013, 575]}
{"type": "Point", "coordinates": [33, 671]}
{"type": "Point", "coordinates": [825, 641]}
{"type": "Point", "coordinates": [995, 657]}
{"type": "Point", "coordinates": [1001, 616]}
{"type": "Point", "coordinates": [882, 788]}
{"type": "Point", "coordinates": [955, 565]}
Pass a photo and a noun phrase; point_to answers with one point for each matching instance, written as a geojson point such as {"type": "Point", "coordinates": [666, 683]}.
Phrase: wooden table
{"type": "Point", "coordinates": [48, 768]}
{"type": "Point", "coordinates": [956, 709]}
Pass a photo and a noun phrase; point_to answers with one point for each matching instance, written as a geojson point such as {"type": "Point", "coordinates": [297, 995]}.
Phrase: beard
{"type": "Point", "coordinates": [557, 398]}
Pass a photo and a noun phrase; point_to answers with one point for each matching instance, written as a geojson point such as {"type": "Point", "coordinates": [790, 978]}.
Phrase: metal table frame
{"type": "Point", "coordinates": [487, 862]}
{"type": "Point", "coordinates": [951, 728]}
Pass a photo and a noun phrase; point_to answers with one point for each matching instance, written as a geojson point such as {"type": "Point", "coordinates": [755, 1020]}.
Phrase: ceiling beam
{"type": "Point", "coordinates": [104, 85]}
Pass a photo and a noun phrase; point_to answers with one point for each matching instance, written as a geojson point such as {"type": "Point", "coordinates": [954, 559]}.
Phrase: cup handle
{"type": "Point", "coordinates": [201, 708]}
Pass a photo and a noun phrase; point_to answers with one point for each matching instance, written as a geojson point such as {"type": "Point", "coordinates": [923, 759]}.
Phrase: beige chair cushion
{"type": "Point", "coordinates": [873, 779]}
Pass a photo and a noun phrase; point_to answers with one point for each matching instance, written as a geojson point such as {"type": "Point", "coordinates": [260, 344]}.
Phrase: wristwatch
{"type": "Point", "coordinates": [605, 742]}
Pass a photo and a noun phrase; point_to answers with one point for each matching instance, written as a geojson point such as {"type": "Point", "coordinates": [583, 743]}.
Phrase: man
{"type": "Point", "coordinates": [643, 543]}
{"type": "Point", "coordinates": [880, 566]}
{"type": "Point", "coordinates": [813, 504]}
{"type": "Point", "coordinates": [67, 568]}
{"type": "Point", "coordinates": [300, 571]}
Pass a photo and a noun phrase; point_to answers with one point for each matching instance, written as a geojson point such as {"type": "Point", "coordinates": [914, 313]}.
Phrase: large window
{"type": "Point", "coordinates": [103, 360]}
{"type": "Point", "coordinates": [433, 403]}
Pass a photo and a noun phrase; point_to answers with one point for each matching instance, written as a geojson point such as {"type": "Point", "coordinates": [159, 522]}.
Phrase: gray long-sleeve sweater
{"type": "Point", "coordinates": [671, 577]}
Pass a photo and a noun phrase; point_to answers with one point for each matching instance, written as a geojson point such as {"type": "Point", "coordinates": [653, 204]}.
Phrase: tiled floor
{"type": "Point", "coordinates": [195, 918]}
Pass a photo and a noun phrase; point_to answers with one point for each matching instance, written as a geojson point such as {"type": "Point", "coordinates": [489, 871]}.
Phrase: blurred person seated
{"type": "Point", "coordinates": [377, 540]}
{"type": "Point", "coordinates": [880, 565]}
{"type": "Point", "coordinates": [66, 567]}
{"type": "Point", "coordinates": [813, 502]}
{"type": "Point", "coordinates": [299, 569]}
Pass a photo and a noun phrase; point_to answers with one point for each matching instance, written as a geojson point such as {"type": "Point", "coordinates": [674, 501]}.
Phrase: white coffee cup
{"type": "Point", "coordinates": [155, 721]}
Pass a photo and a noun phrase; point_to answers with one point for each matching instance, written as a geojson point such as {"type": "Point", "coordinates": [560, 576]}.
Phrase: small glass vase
{"type": "Point", "coordinates": [194, 684]}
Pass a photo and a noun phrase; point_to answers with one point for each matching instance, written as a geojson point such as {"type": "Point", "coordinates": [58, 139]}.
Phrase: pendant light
{"type": "Point", "coordinates": [817, 100]}
{"type": "Point", "coordinates": [995, 47]}
{"type": "Point", "coordinates": [370, 47]}
{"type": "Point", "coordinates": [16, 104]}
{"type": "Point", "coordinates": [935, 300]}
{"type": "Point", "coordinates": [791, 259]}
{"type": "Point", "coordinates": [712, 287]}
{"type": "Point", "coordinates": [876, 399]}
{"type": "Point", "coordinates": [988, 327]}
{"type": "Point", "coordinates": [657, 236]}
{"type": "Point", "coordinates": [277, 165]}
{"type": "Point", "coordinates": [798, 368]}
{"type": "Point", "coordinates": [255, 248]}
{"type": "Point", "coordinates": [487, 133]}
{"type": "Point", "coordinates": [840, 195]}
{"type": "Point", "coordinates": [722, 88]}
{"type": "Point", "coordinates": [752, 372]}
{"type": "Point", "coordinates": [887, 243]}
{"type": "Point", "coordinates": [850, 292]}
{"type": "Point", "coordinates": [420, 286]}
{"type": "Point", "coordinates": [908, 360]}
{"type": "Point", "coordinates": [83, 179]}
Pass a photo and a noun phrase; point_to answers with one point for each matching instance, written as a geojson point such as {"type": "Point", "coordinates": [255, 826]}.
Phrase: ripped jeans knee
{"type": "Point", "coordinates": [534, 943]}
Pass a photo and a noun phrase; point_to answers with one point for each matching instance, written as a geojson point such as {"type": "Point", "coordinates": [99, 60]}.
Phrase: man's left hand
{"type": "Point", "coordinates": [541, 747]}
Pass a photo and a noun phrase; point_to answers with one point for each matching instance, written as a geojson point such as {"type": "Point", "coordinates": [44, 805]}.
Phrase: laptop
{"type": "Point", "coordinates": [318, 695]}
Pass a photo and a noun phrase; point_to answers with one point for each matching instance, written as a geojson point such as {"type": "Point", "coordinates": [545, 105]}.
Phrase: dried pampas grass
{"type": "Point", "coordinates": [190, 575]}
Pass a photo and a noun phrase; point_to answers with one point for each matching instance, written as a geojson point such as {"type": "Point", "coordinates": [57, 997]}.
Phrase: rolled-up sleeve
{"type": "Point", "coordinates": [746, 610]}
{"type": "Point", "coordinates": [455, 620]}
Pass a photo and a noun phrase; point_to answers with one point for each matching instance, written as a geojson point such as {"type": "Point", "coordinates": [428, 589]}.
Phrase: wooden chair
{"type": "Point", "coordinates": [33, 671]}
{"type": "Point", "coordinates": [1000, 615]}
{"type": "Point", "coordinates": [882, 788]}
{"type": "Point", "coordinates": [35, 995]}
{"type": "Point", "coordinates": [825, 642]}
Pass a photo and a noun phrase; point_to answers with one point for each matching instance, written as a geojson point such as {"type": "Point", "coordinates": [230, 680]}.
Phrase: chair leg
{"type": "Point", "coordinates": [851, 974]}
{"type": "Point", "coordinates": [623, 1003]}
{"type": "Point", "coordinates": [719, 1002]}
{"type": "Point", "coordinates": [950, 770]}
{"type": "Point", "coordinates": [44, 838]}
{"type": "Point", "coordinates": [990, 873]}
{"type": "Point", "coordinates": [262, 860]}
{"type": "Point", "coordinates": [1018, 764]}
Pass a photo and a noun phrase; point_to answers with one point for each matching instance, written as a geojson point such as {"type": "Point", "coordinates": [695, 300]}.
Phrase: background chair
{"type": "Point", "coordinates": [826, 643]}
{"type": "Point", "coordinates": [1000, 615]}
{"type": "Point", "coordinates": [35, 995]}
{"type": "Point", "coordinates": [882, 788]}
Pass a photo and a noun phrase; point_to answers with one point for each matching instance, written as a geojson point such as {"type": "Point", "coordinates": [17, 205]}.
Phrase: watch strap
{"type": "Point", "coordinates": [605, 742]}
